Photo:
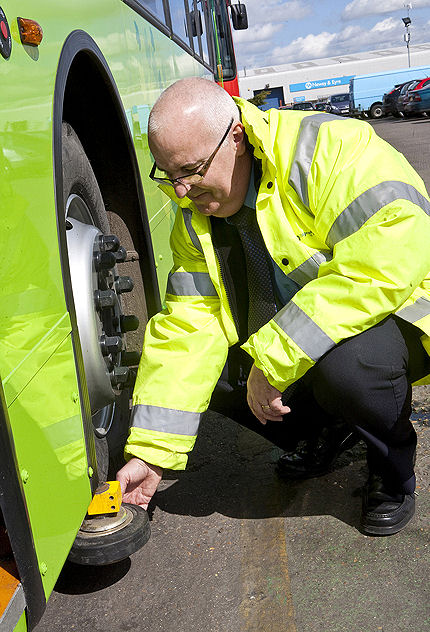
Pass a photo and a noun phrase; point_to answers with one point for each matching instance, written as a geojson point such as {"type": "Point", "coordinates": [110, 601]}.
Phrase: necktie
{"type": "Point", "coordinates": [262, 305]}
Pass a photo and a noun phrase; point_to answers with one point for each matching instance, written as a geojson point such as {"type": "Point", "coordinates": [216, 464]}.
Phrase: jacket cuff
{"type": "Point", "coordinates": [166, 450]}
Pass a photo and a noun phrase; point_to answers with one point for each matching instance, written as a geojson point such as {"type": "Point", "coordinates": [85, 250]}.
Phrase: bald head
{"type": "Point", "coordinates": [189, 103]}
{"type": "Point", "coordinates": [194, 130]}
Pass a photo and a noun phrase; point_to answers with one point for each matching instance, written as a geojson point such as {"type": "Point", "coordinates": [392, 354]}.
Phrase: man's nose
{"type": "Point", "coordinates": [181, 189]}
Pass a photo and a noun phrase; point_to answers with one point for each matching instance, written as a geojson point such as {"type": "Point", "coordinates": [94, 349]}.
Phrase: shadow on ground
{"type": "Point", "coordinates": [232, 471]}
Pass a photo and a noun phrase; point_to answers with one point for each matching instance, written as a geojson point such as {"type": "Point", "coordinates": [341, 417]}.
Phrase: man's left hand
{"type": "Point", "coordinates": [264, 399]}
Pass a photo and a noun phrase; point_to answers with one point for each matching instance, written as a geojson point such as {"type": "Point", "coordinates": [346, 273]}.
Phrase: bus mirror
{"type": "Point", "coordinates": [196, 23]}
{"type": "Point", "coordinates": [239, 16]}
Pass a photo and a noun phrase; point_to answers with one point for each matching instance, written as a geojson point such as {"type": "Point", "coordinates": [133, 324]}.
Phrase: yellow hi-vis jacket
{"type": "Point", "coordinates": [342, 214]}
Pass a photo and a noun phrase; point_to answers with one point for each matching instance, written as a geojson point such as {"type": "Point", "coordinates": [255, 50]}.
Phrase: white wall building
{"type": "Point", "coordinates": [316, 79]}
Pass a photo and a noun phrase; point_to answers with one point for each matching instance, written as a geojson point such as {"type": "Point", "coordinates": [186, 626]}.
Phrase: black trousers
{"type": "Point", "coordinates": [364, 381]}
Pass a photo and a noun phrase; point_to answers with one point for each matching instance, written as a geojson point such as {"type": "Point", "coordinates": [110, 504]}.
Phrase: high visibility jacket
{"type": "Point", "coordinates": [343, 215]}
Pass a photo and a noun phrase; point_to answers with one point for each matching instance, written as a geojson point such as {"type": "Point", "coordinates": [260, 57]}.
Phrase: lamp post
{"type": "Point", "coordinates": [407, 36]}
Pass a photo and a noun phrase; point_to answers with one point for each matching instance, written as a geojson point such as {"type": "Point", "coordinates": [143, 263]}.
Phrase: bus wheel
{"type": "Point", "coordinates": [106, 539]}
{"type": "Point", "coordinates": [376, 111]}
{"type": "Point", "coordinates": [93, 257]}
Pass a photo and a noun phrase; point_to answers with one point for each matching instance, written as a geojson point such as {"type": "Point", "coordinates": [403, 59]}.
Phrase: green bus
{"type": "Point", "coordinates": [84, 235]}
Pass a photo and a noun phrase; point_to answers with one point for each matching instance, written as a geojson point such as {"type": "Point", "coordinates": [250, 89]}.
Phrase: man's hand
{"type": "Point", "coordinates": [139, 481]}
{"type": "Point", "coordinates": [263, 399]}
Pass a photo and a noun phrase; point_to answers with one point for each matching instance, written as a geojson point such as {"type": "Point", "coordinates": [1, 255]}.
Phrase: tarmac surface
{"type": "Point", "coordinates": [236, 549]}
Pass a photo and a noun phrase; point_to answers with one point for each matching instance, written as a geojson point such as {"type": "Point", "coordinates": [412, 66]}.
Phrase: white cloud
{"type": "Point", "coordinates": [351, 39]}
{"type": "Point", "coordinates": [361, 8]}
{"type": "Point", "coordinates": [309, 47]}
{"type": "Point", "coordinates": [267, 18]}
{"type": "Point", "coordinates": [257, 33]}
{"type": "Point", "coordinates": [262, 12]}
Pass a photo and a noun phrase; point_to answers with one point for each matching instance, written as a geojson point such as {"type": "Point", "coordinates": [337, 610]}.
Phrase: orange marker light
{"type": "Point", "coordinates": [30, 31]}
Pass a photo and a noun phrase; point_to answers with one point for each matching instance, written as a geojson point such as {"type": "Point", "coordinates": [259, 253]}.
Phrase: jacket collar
{"type": "Point", "coordinates": [257, 129]}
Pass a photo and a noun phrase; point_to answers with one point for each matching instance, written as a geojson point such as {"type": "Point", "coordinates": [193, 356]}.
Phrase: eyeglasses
{"type": "Point", "coordinates": [197, 176]}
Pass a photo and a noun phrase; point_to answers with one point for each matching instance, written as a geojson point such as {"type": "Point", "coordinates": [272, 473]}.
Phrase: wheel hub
{"type": "Point", "coordinates": [97, 290]}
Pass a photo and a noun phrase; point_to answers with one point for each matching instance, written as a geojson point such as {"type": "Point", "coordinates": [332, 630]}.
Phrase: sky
{"type": "Point", "coordinates": [281, 32]}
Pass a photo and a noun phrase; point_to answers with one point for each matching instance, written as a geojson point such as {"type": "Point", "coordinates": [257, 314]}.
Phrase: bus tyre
{"type": "Point", "coordinates": [376, 111]}
{"type": "Point", "coordinates": [104, 540]}
{"type": "Point", "coordinates": [94, 255]}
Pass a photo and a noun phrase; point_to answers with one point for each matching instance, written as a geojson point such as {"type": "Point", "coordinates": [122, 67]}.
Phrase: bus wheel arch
{"type": "Point", "coordinates": [87, 98]}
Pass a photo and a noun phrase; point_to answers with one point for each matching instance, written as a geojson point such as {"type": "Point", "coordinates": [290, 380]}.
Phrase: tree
{"type": "Point", "coordinates": [260, 98]}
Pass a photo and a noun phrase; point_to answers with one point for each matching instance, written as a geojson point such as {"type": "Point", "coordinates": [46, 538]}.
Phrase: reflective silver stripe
{"type": "Point", "coordinates": [303, 331]}
{"type": "Point", "coordinates": [418, 310]}
{"type": "Point", "coordinates": [305, 149]}
{"type": "Point", "coordinates": [13, 610]}
{"type": "Point", "coordinates": [190, 284]}
{"type": "Point", "coordinates": [160, 419]}
{"type": "Point", "coordinates": [187, 214]}
{"type": "Point", "coordinates": [370, 202]}
{"type": "Point", "coordinates": [308, 270]}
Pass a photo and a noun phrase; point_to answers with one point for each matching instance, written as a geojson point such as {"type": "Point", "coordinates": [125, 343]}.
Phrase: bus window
{"type": "Point", "coordinates": [200, 33]}
{"type": "Point", "coordinates": [179, 20]}
{"type": "Point", "coordinates": [224, 41]}
{"type": "Point", "coordinates": [155, 6]}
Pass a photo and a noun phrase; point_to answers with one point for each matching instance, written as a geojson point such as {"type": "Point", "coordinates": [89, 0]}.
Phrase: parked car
{"type": "Point", "coordinates": [416, 86]}
{"type": "Point", "coordinates": [404, 96]}
{"type": "Point", "coordinates": [423, 83]}
{"type": "Point", "coordinates": [303, 105]}
{"type": "Point", "coordinates": [389, 102]}
{"type": "Point", "coordinates": [367, 91]}
{"type": "Point", "coordinates": [321, 106]}
{"type": "Point", "coordinates": [419, 101]}
{"type": "Point", "coordinates": [338, 104]}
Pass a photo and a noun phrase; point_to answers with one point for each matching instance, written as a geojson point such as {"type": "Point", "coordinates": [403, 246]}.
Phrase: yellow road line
{"type": "Point", "coordinates": [266, 604]}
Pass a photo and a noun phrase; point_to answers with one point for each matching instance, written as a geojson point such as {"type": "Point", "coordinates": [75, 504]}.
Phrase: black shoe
{"type": "Point", "coordinates": [316, 457]}
{"type": "Point", "coordinates": [384, 512]}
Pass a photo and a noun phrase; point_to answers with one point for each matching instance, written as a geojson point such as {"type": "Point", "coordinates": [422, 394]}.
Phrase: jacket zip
{"type": "Point", "coordinates": [226, 283]}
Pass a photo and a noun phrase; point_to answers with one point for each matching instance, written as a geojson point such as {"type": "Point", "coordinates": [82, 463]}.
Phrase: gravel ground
{"type": "Point", "coordinates": [421, 419]}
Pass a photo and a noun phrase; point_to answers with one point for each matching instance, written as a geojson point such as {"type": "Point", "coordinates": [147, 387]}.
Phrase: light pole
{"type": "Point", "coordinates": [407, 35]}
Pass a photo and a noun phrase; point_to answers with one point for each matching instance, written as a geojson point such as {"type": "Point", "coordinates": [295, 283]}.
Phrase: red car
{"type": "Point", "coordinates": [423, 83]}
{"type": "Point", "coordinates": [409, 90]}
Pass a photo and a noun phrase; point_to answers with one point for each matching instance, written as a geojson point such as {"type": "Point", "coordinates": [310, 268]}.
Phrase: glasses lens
{"type": "Point", "coordinates": [193, 178]}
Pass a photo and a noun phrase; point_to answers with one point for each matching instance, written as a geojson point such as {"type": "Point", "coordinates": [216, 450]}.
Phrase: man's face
{"type": "Point", "coordinates": [222, 191]}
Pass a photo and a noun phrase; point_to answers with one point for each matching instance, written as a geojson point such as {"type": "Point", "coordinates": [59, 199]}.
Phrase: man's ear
{"type": "Point", "coordinates": [239, 138]}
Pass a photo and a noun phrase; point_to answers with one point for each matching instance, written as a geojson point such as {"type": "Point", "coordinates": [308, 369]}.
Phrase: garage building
{"type": "Point", "coordinates": [317, 79]}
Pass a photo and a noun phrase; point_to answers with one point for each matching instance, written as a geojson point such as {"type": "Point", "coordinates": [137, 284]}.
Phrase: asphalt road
{"type": "Point", "coordinates": [235, 549]}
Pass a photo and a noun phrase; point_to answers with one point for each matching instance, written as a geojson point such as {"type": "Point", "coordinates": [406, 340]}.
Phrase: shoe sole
{"type": "Point", "coordinates": [387, 530]}
{"type": "Point", "coordinates": [349, 442]}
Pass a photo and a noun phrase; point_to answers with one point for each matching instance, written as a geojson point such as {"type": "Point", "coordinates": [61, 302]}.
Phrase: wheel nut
{"type": "Point", "coordinates": [110, 344]}
{"type": "Point", "coordinates": [130, 358]}
{"type": "Point", "coordinates": [104, 261]}
{"type": "Point", "coordinates": [123, 284]}
{"type": "Point", "coordinates": [108, 243]}
{"type": "Point", "coordinates": [121, 254]}
{"type": "Point", "coordinates": [104, 299]}
{"type": "Point", "coordinates": [129, 323]}
{"type": "Point", "coordinates": [119, 376]}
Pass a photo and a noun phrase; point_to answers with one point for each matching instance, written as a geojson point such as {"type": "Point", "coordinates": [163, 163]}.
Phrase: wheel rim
{"type": "Point", "coordinates": [101, 324]}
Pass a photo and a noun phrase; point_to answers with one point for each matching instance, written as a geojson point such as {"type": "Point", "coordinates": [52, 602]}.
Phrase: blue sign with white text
{"type": "Point", "coordinates": [320, 83]}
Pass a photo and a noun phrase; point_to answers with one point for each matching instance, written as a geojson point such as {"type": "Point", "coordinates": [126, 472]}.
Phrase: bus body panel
{"type": "Point", "coordinates": [37, 361]}
{"type": "Point", "coordinates": [52, 459]}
